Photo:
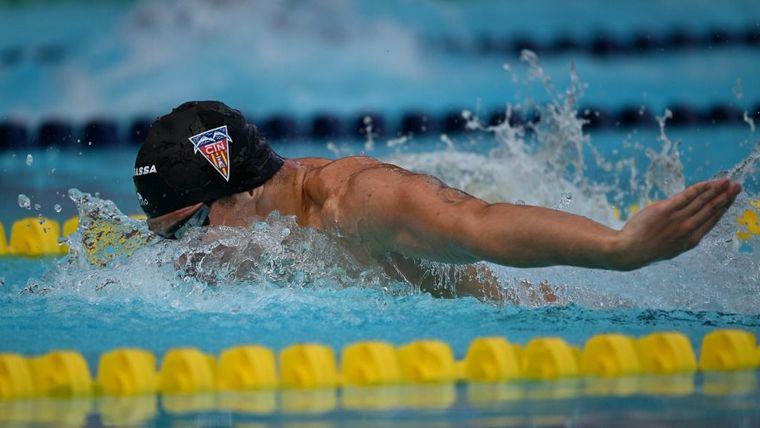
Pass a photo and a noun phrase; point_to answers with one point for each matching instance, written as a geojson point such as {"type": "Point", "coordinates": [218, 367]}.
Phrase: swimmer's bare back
{"type": "Point", "coordinates": [382, 210]}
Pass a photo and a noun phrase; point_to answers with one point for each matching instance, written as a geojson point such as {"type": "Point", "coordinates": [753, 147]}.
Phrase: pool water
{"type": "Point", "coordinates": [305, 288]}
{"type": "Point", "coordinates": [721, 399]}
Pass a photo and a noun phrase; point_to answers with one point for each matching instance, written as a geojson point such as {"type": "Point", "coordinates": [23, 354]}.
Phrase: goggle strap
{"type": "Point", "coordinates": [198, 219]}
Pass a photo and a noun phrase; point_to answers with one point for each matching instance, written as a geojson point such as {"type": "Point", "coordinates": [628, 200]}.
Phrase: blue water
{"type": "Point", "coordinates": [132, 59]}
{"type": "Point", "coordinates": [213, 319]}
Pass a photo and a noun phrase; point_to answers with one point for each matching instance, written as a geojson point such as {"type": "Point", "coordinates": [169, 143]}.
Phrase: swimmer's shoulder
{"type": "Point", "coordinates": [338, 169]}
{"type": "Point", "coordinates": [326, 176]}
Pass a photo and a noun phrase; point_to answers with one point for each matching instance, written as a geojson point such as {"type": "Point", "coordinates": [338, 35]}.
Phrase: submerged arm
{"type": "Point", "coordinates": [419, 216]}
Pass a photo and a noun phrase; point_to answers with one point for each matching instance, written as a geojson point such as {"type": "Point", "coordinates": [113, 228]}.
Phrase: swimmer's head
{"type": "Point", "coordinates": [200, 152]}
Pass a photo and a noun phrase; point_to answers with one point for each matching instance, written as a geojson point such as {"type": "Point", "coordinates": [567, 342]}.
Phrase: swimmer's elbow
{"type": "Point", "coordinates": [474, 234]}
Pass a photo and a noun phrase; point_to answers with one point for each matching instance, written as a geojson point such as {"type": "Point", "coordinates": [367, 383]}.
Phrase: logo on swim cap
{"type": "Point", "coordinates": [214, 145]}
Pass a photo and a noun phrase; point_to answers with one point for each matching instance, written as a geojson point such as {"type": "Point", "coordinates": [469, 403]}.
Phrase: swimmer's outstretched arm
{"type": "Point", "coordinates": [419, 216]}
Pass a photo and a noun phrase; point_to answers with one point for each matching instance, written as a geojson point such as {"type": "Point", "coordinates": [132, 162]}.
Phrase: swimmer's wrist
{"type": "Point", "coordinates": [621, 252]}
{"type": "Point", "coordinates": [625, 253]}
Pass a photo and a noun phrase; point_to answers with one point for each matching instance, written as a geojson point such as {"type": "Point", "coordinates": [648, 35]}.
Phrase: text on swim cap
{"type": "Point", "coordinates": [143, 170]}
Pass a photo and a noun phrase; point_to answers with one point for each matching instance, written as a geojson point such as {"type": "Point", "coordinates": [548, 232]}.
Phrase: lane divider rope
{"type": "Point", "coordinates": [327, 126]}
{"type": "Point", "coordinates": [131, 371]}
{"type": "Point", "coordinates": [603, 43]}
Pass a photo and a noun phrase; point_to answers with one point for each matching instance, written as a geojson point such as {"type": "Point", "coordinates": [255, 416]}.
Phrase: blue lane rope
{"type": "Point", "coordinates": [603, 43]}
{"type": "Point", "coordinates": [324, 126]}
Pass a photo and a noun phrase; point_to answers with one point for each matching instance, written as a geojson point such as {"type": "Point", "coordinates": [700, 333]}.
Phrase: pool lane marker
{"type": "Point", "coordinates": [310, 366]}
{"type": "Point", "coordinates": [666, 353]}
{"type": "Point", "coordinates": [370, 363]}
{"type": "Point", "coordinates": [34, 237]}
{"type": "Point", "coordinates": [725, 350]}
{"type": "Point", "coordinates": [748, 222]}
{"type": "Point", "coordinates": [42, 237]}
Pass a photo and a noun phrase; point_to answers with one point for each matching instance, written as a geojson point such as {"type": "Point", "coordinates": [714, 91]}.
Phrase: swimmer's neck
{"type": "Point", "coordinates": [284, 193]}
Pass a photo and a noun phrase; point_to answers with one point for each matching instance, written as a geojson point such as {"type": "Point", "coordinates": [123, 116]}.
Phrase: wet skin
{"type": "Point", "coordinates": [387, 215]}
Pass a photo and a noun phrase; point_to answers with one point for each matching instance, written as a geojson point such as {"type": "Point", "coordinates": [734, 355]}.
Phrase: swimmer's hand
{"type": "Point", "coordinates": [670, 227]}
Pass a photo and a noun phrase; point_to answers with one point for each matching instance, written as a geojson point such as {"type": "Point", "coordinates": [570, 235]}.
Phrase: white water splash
{"type": "Point", "coordinates": [540, 163]}
{"type": "Point", "coordinates": [664, 176]}
{"type": "Point", "coordinates": [369, 141]}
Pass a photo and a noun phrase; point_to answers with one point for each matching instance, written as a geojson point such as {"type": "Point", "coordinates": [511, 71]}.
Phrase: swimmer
{"type": "Point", "coordinates": [203, 164]}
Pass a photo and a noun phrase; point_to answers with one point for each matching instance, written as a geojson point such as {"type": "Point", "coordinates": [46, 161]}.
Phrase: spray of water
{"type": "Point", "coordinates": [664, 176]}
{"type": "Point", "coordinates": [538, 163]}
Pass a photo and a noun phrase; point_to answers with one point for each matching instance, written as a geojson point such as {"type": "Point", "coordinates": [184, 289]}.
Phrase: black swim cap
{"type": "Point", "coordinates": [200, 152]}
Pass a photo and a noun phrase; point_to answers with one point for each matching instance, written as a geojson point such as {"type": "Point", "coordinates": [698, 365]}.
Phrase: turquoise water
{"type": "Point", "coordinates": [305, 287]}
{"type": "Point", "coordinates": [231, 314]}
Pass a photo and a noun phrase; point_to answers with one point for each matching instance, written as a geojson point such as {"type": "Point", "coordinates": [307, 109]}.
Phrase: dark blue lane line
{"type": "Point", "coordinates": [603, 43]}
{"type": "Point", "coordinates": [323, 126]}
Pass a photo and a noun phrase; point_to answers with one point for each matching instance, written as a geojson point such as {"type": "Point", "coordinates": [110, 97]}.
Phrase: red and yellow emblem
{"type": "Point", "coordinates": [214, 144]}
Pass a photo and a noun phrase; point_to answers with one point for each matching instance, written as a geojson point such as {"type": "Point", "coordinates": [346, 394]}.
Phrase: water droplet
{"type": "Point", "coordinates": [57, 208]}
{"type": "Point", "coordinates": [37, 207]}
{"type": "Point", "coordinates": [285, 232]}
{"type": "Point", "coordinates": [52, 171]}
{"type": "Point", "coordinates": [565, 201]}
{"type": "Point", "coordinates": [29, 160]}
{"type": "Point", "coordinates": [24, 201]}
